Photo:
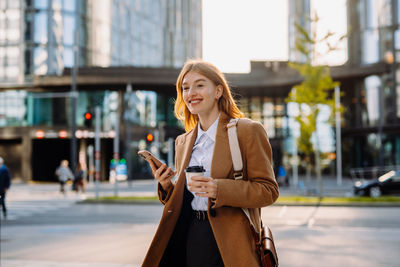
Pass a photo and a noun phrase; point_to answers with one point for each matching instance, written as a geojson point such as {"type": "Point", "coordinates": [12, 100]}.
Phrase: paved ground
{"type": "Point", "coordinates": [47, 229]}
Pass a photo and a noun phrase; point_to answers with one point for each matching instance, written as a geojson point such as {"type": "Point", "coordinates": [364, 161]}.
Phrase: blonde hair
{"type": "Point", "coordinates": [226, 103]}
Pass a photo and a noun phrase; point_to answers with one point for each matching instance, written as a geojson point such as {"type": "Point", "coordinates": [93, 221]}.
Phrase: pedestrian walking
{"type": "Point", "coordinates": [283, 179]}
{"type": "Point", "coordinates": [5, 183]}
{"type": "Point", "coordinates": [80, 179]}
{"type": "Point", "coordinates": [203, 223]}
{"type": "Point", "coordinates": [64, 173]}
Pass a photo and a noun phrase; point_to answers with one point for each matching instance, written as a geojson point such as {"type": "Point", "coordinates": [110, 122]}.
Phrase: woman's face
{"type": "Point", "coordinates": [200, 94]}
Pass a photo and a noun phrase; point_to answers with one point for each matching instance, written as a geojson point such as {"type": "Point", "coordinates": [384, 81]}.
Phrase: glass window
{"type": "Point", "coordinates": [28, 61]}
{"type": "Point", "coordinates": [398, 97]}
{"type": "Point", "coordinates": [56, 4]}
{"type": "Point", "coordinates": [40, 60]}
{"type": "Point", "coordinates": [12, 71]}
{"type": "Point", "coordinates": [40, 33]}
{"type": "Point", "coordinates": [124, 16]}
{"type": "Point", "coordinates": [28, 3]}
{"type": "Point", "coordinates": [12, 108]}
{"type": "Point", "coordinates": [84, 29]}
{"type": "Point", "coordinates": [68, 57]}
{"type": "Point", "coordinates": [370, 50]}
{"type": "Point", "coordinates": [13, 33]}
{"type": "Point", "coordinates": [69, 5]}
{"type": "Point", "coordinates": [41, 4]}
{"type": "Point", "coordinates": [13, 4]}
{"type": "Point", "coordinates": [255, 108]}
{"type": "Point", "coordinates": [385, 13]}
{"type": "Point", "coordinates": [69, 30]}
{"type": "Point", "coordinates": [12, 15]}
{"type": "Point", "coordinates": [268, 107]}
{"type": "Point", "coordinates": [269, 125]}
{"type": "Point", "coordinates": [372, 14]}
{"type": "Point", "coordinates": [12, 51]}
{"type": "Point", "coordinates": [279, 107]}
{"type": "Point", "coordinates": [28, 26]}
{"type": "Point", "coordinates": [372, 85]}
{"type": "Point", "coordinates": [40, 111]}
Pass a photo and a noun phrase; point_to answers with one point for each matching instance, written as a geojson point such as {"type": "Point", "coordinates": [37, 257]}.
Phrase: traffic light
{"type": "Point", "coordinates": [149, 138]}
{"type": "Point", "coordinates": [88, 116]}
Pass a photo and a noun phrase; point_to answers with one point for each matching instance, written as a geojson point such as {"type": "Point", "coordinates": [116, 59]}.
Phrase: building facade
{"type": "Point", "coordinates": [48, 37]}
{"type": "Point", "coordinates": [371, 136]}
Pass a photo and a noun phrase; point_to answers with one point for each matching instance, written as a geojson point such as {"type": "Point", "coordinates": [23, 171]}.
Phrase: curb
{"type": "Point", "coordinates": [355, 204]}
{"type": "Point", "coordinates": [293, 204]}
{"type": "Point", "coordinates": [119, 202]}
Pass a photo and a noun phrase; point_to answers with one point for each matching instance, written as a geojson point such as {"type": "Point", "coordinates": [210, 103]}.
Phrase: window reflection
{"type": "Point", "coordinates": [40, 60]}
{"type": "Point", "coordinates": [370, 52]}
{"type": "Point", "coordinates": [68, 30]}
{"type": "Point", "coordinates": [40, 35]}
{"type": "Point", "coordinates": [40, 4]}
{"type": "Point", "coordinates": [69, 5]}
{"type": "Point", "coordinates": [372, 85]}
{"type": "Point", "coordinates": [142, 108]}
{"type": "Point", "coordinates": [68, 57]}
{"type": "Point", "coordinates": [12, 108]}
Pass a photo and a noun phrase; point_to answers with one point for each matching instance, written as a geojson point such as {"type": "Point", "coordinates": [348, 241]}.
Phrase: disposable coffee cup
{"type": "Point", "coordinates": [193, 171]}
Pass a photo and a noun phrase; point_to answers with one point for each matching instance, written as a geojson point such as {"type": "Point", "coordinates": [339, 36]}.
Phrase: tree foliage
{"type": "Point", "coordinates": [315, 90]}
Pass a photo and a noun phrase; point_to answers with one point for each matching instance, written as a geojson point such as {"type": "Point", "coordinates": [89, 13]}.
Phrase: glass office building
{"type": "Point", "coordinates": [299, 13]}
{"type": "Point", "coordinates": [39, 38]}
{"type": "Point", "coordinates": [373, 137]}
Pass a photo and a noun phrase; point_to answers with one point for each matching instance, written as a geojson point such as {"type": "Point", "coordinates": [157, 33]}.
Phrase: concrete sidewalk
{"type": "Point", "coordinates": [148, 187]}
{"type": "Point", "coordinates": [330, 187]}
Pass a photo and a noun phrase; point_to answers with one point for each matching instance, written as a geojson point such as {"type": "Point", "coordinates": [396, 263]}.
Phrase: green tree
{"type": "Point", "coordinates": [315, 90]}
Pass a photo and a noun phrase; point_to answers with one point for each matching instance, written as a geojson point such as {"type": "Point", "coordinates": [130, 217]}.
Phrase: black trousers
{"type": "Point", "coordinates": [201, 247]}
{"type": "Point", "coordinates": [3, 203]}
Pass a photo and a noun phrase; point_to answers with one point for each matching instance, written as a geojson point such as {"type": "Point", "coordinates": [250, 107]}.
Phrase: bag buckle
{"type": "Point", "coordinates": [238, 175]}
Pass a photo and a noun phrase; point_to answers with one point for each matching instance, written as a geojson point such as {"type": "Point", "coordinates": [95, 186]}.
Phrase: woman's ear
{"type": "Point", "coordinates": [219, 92]}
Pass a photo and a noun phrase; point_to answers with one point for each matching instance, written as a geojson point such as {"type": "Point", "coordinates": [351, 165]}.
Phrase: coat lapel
{"type": "Point", "coordinates": [184, 151]}
{"type": "Point", "coordinates": [221, 163]}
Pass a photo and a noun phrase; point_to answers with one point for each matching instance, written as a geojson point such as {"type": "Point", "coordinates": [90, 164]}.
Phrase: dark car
{"type": "Point", "coordinates": [387, 184]}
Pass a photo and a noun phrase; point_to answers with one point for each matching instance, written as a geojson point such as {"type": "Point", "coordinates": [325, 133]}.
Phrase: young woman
{"type": "Point", "coordinates": [202, 222]}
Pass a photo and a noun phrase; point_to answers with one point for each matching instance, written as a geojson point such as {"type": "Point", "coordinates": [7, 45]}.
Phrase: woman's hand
{"type": "Point", "coordinates": [203, 186]}
{"type": "Point", "coordinates": [163, 175]}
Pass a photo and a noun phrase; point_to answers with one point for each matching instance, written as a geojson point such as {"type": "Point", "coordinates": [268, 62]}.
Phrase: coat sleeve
{"type": "Point", "coordinates": [259, 188]}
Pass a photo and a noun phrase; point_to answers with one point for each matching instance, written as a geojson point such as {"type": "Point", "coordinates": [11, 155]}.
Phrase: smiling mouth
{"type": "Point", "coordinates": [195, 101]}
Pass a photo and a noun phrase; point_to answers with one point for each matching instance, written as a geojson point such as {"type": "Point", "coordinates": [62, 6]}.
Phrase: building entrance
{"type": "Point", "coordinates": [46, 157]}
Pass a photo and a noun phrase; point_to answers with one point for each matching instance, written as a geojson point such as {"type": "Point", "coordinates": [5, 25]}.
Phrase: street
{"type": "Point", "coordinates": [71, 234]}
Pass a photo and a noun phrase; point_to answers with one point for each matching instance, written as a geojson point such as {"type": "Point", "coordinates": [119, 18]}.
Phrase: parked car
{"type": "Point", "coordinates": [387, 184]}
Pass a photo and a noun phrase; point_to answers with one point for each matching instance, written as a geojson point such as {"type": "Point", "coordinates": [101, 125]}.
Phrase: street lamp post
{"type": "Point", "coordinates": [74, 93]}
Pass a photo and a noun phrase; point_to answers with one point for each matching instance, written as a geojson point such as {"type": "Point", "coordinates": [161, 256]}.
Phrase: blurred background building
{"type": "Point", "coordinates": [130, 53]}
{"type": "Point", "coordinates": [37, 38]}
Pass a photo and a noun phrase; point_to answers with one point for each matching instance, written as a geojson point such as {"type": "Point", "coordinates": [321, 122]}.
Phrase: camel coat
{"type": "Point", "coordinates": [230, 225]}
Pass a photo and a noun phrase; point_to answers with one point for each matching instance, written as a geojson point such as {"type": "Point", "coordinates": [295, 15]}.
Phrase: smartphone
{"type": "Point", "coordinates": [147, 156]}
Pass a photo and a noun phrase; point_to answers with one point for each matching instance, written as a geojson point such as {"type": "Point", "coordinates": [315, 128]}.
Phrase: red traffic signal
{"type": "Point", "coordinates": [88, 115]}
{"type": "Point", "coordinates": [88, 119]}
{"type": "Point", "coordinates": [149, 137]}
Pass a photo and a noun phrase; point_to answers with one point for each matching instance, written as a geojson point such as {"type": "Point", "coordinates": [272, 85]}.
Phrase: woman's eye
{"type": "Point", "coordinates": [185, 88]}
{"type": "Point", "coordinates": [200, 85]}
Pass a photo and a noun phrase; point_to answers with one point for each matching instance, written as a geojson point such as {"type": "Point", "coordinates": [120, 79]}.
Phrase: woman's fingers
{"type": "Point", "coordinates": [152, 166]}
{"type": "Point", "coordinates": [203, 186]}
{"type": "Point", "coordinates": [163, 173]}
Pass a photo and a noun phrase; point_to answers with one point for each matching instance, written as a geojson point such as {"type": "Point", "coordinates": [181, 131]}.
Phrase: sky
{"type": "Point", "coordinates": [237, 31]}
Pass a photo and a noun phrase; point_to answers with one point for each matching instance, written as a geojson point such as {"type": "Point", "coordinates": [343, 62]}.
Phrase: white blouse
{"type": "Point", "coordinates": [202, 153]}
